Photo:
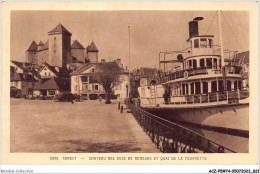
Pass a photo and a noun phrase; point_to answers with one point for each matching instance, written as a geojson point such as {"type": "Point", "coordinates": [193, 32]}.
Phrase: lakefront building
{"type": "Point", "coordinates": [84, 83]}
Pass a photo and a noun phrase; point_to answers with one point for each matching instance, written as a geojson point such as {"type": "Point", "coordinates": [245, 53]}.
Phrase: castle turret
{"type": "Point", "coordinates": [92, 52]}
{"type": "Point", "coordinates": [77, 51]}
{"type": "Point", "coordinates": [31, 53]}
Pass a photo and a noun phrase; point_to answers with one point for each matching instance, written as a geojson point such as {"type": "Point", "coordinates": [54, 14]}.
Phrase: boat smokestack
{"type": "Point", "coordinates": [193, 29]}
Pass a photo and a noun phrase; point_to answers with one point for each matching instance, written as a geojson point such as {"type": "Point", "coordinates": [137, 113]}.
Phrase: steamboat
{"type": "Point", "coordinates": [201, 91]}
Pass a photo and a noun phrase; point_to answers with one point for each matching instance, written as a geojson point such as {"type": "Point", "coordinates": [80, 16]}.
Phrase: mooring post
{"type": "Point", "coordinates": [118, 105]}
{"type": "Point", "coordinates": [122, 108]}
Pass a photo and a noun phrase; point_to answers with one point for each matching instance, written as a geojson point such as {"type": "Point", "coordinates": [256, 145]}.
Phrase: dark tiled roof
{"type": "Point", "coordinates": [40, 43]}
{"type": "Point", "coordinates": [59, 29]}
{"type": "Point", "coordinates": [33, 46]}
{"type": "Point", "coordinates": [76, 45]}
{"type": "Point", "coordinates": [62, 84]}
{"type": "Point", "coordinates": [92, 47]}
{"type": "Point", "coordinates": [22, 77]}
{"type": "Point", "coordinates": [107, 66]}
{"type": "Point", "coordinates": [45, 46]}
{"type": "Point", "coordinates": [21, 65]}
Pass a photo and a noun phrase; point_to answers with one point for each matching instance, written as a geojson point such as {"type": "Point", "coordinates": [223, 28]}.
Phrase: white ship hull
{"type": "Point", "coordinates": [218, 123]}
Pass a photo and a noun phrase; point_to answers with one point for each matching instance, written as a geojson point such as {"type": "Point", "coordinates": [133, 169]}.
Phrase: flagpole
{"type": "Point", "coordinates": [129, 86]}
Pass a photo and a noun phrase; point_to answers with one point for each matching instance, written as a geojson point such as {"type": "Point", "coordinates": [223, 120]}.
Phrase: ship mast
{"type": "Point", "coordinates": [223, 71]}
{"type": "Point", "coordinates": [221, 43]}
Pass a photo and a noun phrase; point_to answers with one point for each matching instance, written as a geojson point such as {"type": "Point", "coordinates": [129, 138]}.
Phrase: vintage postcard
{"type": "Point", "coordinates": [129, 83]}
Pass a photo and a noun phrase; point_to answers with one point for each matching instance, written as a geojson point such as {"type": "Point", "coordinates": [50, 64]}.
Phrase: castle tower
{"type": "Point", "coordinates": [31, 53]}
{"type": "Point", "coordinates": [40, 45]}
{"type": "Point", "coordinates": [92, 52]}
{"type": "Point", "coordinates": [59, 46]}
{"type": "Point", "coordinates": [77, 52]}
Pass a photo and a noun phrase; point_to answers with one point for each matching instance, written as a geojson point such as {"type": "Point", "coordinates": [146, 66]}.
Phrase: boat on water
{"type": "Point", "coordinates": [202, 91]}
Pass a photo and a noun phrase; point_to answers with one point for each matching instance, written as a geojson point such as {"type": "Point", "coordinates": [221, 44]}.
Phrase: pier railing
{"type": "Point", "coordinates": [170, 137]}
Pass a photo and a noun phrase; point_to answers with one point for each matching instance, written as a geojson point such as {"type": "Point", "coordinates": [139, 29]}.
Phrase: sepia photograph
{"type": "Point", "coordinates": [71, 73]}
{"type": "Point", "coordinates": [112, 86]}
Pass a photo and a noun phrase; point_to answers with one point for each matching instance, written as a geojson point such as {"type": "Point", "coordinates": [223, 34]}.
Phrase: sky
{"type": "Point", "coordinates": [150, 31]}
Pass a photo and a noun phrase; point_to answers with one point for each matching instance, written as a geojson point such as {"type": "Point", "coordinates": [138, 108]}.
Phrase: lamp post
{"type": "Point", "coordinates": [129, 86]}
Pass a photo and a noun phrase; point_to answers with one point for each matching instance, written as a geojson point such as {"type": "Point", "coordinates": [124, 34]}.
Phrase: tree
{"type": "Point", "coordinates": [108, 79]}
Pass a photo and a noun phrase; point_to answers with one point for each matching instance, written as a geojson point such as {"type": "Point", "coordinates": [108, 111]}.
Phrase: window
{"type": "Point", "coordinates": [202, 64]}
{"type": "Point", "coordinates": [54, 45]}
{"type": "Point", "coordinates": [215, 63]}
{"type": "Point", "coordinates": [209, 62]}
{"type": "Point", "coordinates": [54, 38]}
{"type": "Point", "coordinates": [183, 89]}
{"type": "Point", "coordinates": [51, 92]}
{"type": "Point", "coordinates": [190, 64]}
{"type": "Point", "coordinates": [54, 51]}
{"type": "Point", "coordinates": [214, 86]}
{"type": "Point", "coordinates": [210, 43]}
{"type": "Point", "coordinates": [93, 70]}
{"type": "Point", "coordinates": [192, 88]}
{"type": "Point", "coordinates": [194, 63]}
{"type": "Point", "coordinates": [96, 87]}
{"type": "Point", "coordinates": [228, 85]}
{"type": "Point", "coordinates": [220, 85]}
{"type": "Point", "coordinates": [45, 73]}
{"type": "Point", "coordinates": [187, 89]}
{"type": "Point", "coordinates": [235, 84]}
{"type": "Point", "coordinates": [240, 85]}
{"type": "Point", "coordinates": [203, 43]}
{"type": "Point", "coordinates": [196, 43]}
{"type": "Point", "coordinates": [32, 83]}
{"type": "Point", "coordinates": [197, 87]}
{"type": "Point", "coordinates": [205, 87]}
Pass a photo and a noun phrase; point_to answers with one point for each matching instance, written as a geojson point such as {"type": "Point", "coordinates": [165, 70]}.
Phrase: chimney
{"type": "Point", "coordinates": [103, 60]}
{"type": "Point", "coordinates": [193, 29]}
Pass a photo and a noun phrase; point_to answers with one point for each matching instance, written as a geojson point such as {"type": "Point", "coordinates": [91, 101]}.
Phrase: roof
{"type": "Point", "coordinates": [33, 46]}
{"type": "Point", "coordinates": [110, 66]}
{"type": "Point", "coordinates": [62, 84]}
{"type": "Point", "coordinates": [22, 77]}
{"type": "Point", "coordinates": [40, 43]}
{"type": "Point", "coordinates": [201, 36]}
{"type": "Point", "coordinates": [59, 29]}
{"type": "Point", "coordinates": [52, 68]}
{"type": "Point", "coordinates": [21, 65]}
{"type": "Point", "coordinates": [92, 47]}
{"type": "Point", "coordinates": [76, 45]}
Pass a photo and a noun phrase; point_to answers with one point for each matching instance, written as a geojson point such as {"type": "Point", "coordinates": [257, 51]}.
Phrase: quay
{"type": "Point", "coordinates": [83, 127]}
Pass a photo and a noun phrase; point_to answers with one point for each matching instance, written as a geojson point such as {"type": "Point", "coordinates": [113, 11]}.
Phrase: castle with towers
{"type": "Point", "coordinates": [58, 50]}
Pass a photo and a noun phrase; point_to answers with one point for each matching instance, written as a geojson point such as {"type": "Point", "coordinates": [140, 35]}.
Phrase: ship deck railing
{"type": "Point", "coordinates": [170, 137]}
{"type": "Point", "coordinates": [198, 71]}
{"type": "Point", "coordinates": [223, 97]}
